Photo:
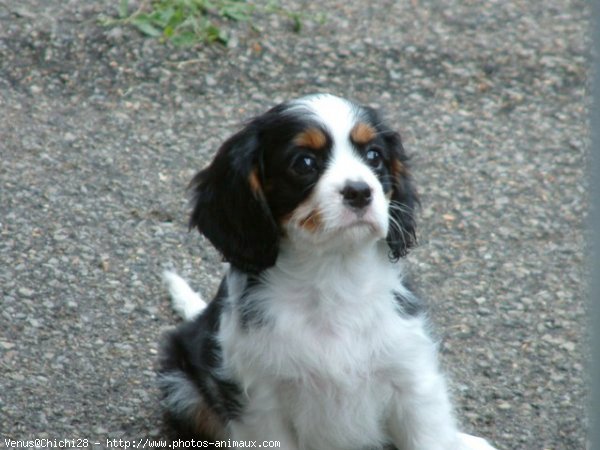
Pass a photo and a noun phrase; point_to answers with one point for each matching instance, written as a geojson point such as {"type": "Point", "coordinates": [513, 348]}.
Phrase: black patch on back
{"type": "Point", "coordinates": [193, 350]}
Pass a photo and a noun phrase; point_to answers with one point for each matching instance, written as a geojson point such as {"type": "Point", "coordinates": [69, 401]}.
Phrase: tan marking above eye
{"type": "Point", "coordinates": [362, 133]}
{"type": "Point", "coordinates": [312, 138]}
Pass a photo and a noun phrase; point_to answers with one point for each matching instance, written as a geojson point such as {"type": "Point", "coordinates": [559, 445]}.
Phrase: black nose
{"type": "Point", "coordinates": [357, 194]}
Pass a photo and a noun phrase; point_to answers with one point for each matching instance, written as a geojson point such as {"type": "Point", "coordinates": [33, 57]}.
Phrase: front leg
{"type": "Point", "coordinates": [264, 427]}
{"type": "Point", "coordinates": [421, 416]}
{"type": "Point", "coordinates": [263, 420]}
{"type": "Point", "coordinates": [473, 443]}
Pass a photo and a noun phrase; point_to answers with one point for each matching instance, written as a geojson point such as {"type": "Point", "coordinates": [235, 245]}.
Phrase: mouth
{"type": "Point", "coordinates": [359, 225]}
{"type": "Point", "coordinates": [347, 222]}
{"type": "Point", "coordinates": [314, 224]}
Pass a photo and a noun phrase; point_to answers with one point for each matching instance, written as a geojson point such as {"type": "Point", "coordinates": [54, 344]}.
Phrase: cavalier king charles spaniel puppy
{"type": "Point", "coordinates": [313, 338]}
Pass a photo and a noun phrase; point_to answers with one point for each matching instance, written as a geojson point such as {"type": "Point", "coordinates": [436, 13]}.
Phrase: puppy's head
{"type": "Point", "coordinates": [319, 171]}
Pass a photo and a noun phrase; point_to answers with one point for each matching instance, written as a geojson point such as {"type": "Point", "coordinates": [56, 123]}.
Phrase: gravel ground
{"type": "Point", "coordinates": [101, 129]}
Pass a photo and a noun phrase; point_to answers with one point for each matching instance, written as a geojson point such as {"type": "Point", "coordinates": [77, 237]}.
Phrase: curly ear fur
{"type": "Point", "coordinates": [404, 201]}
{"type": "Point", "coordinates": [229, 207]}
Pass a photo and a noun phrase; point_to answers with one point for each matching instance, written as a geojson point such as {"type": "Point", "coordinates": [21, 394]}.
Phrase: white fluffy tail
{"type": "Point", "coordinates": [187, 303]}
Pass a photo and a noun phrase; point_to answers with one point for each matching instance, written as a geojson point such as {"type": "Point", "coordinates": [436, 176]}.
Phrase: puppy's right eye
{"type": "Point", "coordinates": [304, 164]}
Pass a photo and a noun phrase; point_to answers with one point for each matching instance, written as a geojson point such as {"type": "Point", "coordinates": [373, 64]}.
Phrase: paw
{"type": "Point", "coordinates": [469, 442]}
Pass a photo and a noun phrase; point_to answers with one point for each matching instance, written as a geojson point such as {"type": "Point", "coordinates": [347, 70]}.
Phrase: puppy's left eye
{"type": "Point", "coordinates": [374, 158]}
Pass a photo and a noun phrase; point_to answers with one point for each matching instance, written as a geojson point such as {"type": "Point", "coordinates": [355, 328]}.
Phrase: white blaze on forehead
{"type": "Point", "coordinates": [337, 115]}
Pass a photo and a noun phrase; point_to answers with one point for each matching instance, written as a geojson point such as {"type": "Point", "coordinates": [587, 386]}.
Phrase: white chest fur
{"type": "Point", "coordinates": [331, 352]}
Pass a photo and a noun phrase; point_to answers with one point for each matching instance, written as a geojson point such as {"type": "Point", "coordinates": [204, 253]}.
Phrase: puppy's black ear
{"type": "Point", "coordinates": [229, 205]}
{"type": "Point", "coordinates": [404, 200]}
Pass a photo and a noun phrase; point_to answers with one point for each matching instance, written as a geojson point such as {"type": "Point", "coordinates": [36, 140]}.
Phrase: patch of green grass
{"type": "Point", "coordinates": [188, 22]}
